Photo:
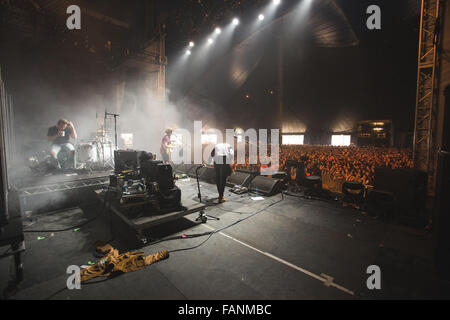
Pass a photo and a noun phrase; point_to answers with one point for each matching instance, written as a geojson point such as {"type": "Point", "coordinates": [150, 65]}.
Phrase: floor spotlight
{"type": "Point", "coordinates": [235, 21]}
{"type": "Point", "coordinates": [261, 17]}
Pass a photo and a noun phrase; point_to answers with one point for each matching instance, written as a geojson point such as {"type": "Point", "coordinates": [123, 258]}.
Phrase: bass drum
{"type": "Point", "coordinates": [87, 153]}
{"type": "Point", "coordinates": [105, 153]}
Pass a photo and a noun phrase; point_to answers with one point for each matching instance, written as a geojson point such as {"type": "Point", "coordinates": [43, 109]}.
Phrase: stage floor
{"type": "Point", "coordinates": [283, 249]}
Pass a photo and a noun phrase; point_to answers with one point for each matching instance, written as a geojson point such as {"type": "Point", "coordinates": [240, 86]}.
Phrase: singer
{"type": "Point", "coordinates": [223, 156]}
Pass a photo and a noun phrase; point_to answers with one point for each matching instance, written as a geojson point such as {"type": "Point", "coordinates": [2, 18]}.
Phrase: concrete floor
{"type": "Point", "coordinates": [286, 251]}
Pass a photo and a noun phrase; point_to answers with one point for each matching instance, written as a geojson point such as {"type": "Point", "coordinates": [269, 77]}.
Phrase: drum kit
{"type": "Point", "coordinates": [96, 153]}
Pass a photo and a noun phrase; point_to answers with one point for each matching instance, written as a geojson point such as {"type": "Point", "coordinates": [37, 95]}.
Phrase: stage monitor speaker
{"type": "Point", "coordinates": [409, 187]}
{"type": "Point", "coordinates": [175, 167]}
{"type": "Point", "coordinates": [184, 168]}
{"type": "Point", "coordinates": [253, 170]}
{"type": "Point", "coordinates": [266, 186]}
{"type": "Point", "coordinates": [193, 171]}
{"type": "Point", "coordinates": [208, 175]}
{"type": "Point", "coordinates": [239, 179]}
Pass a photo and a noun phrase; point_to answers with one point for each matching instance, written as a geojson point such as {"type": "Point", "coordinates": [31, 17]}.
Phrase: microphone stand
{"type": "Point", "coordinates": [116, 146]}
{"type": "Point", "coordinates": [115, 126]}
{"type": "Point", "coordinates": [203, 217]}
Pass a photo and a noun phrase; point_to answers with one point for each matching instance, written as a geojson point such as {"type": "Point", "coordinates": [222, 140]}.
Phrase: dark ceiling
{"type": "Point", "coordinates": [335, 70]}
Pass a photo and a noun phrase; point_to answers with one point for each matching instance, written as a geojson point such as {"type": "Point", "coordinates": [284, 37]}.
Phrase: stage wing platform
{"type": "Point", "coordinates": [37, 184]}
{"type": "Point", "coordinates": [46, 193]}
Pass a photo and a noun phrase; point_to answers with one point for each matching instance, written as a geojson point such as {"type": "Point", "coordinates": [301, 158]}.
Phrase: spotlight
{"type": "Point", "coordinates": [218, 31]}
{"type": "Point", "coordinates": [191, 44]}
{"type": "Point", "coordinates": [188, 52]}
{"type": "Point", "coordinates": [210, 41]}
{"type": "Point", "coordinates": [235, 21]}
{"type": "Point", "coordinates": [276, 2]}
{"type": "Point", "coordinates": [261, 17]}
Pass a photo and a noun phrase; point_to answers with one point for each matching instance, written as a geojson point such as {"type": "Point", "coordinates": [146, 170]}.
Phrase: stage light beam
{"type": "Point", "coordinates": [261, 17]}
{"type": "Point", "coordinates": [235, 21]}
{"type": "Point", "coordinates": [218, 31]}
{"type": "Point", "coordinates": [191, 44]}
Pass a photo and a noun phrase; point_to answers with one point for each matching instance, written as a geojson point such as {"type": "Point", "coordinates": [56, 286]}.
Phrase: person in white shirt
{"type": "Point", "coordinates": [223, 156]}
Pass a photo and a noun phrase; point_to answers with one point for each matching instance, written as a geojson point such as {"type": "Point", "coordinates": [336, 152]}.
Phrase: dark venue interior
{"type": "Point", "coordinates": [224, 149]}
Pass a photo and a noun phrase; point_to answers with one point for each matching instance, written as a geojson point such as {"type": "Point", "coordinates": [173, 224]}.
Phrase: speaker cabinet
{"type": "Point", "coordinates": [266, 186]}
{"type": "Point", "coordinates": [441, 216]}
{"type": "Point", "coordinates": [184, 168]}
{"type": "Point", "coordinates": [441, 210]}
{"type": "Point", "coordinates": [175, 167]}
{"type": "Point", "coordinates": [239, 179]}
{"type": "Point", "coordinates": [125, 160]}
{"type": "Point", "coordinates": [171, 199]}
{"type": "Point", "coordinates": [165, 177]}
{"type": "Point", "coordinates": [193, 171]}
{"type": "Point", "coordinates": [381, 204]}
{"type": "Point", "coordinates": [208, 175]}
{"type": "Point", "coordinates": [409, 188]}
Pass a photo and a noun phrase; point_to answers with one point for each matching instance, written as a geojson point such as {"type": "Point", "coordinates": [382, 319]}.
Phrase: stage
{"type": "Point", "coordinates": [282, 247]}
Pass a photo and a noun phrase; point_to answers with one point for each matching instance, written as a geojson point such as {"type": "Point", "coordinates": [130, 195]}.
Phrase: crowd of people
{"type": "Point", "coordinates": [347, 163]}
{"type": "Point", "coordinates": [351, 164]}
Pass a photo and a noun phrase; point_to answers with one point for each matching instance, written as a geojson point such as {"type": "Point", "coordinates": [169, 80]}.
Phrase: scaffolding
{"type": "Point", "coordinates": [427, 89]}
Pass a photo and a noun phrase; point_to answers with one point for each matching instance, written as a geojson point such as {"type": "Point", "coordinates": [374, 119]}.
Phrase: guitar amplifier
{"type": "Point", "coordinates": [125, 160]}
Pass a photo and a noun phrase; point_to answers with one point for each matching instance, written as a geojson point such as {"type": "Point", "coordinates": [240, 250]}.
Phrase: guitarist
{"type": "Point", "coordinates": [166, 146]}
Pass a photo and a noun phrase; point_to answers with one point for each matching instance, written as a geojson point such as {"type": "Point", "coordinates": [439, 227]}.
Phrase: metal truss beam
{"type": "Point", "coordinates": [427, 89]}
{"type": "Point", "coordinates": [64, 186]}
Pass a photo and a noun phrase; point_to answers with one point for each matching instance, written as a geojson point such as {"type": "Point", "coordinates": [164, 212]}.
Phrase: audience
{"type": "Point", "coordinates": [352, 164]}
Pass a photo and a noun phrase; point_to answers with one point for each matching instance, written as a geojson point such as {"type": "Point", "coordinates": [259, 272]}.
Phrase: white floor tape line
{"type": "Point", "coordinates": [327, 280]}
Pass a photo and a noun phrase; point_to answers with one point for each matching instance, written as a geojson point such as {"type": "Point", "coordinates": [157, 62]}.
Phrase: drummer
{"type": "Point", "coordinates": [60, 136]}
